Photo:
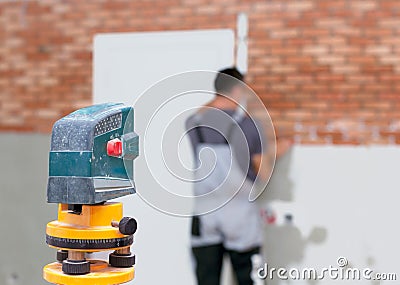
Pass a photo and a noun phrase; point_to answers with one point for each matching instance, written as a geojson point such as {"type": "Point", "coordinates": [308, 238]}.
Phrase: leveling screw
{"type": "Point", "coordinates": [76, 263]}
{"type": "Point", "coordinates": [127, 225]}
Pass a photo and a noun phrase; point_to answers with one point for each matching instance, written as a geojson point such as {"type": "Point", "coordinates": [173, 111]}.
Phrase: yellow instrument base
{"type": "Point", "coordinates": [93, 223]}
{"type": "Point", "coordinates": [100, 274]}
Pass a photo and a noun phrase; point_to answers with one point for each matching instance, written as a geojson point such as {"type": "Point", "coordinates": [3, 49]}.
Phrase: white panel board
{"type": "Point", "coordinates": [344, 202]}
{"type": "Point", "coordinates": [127, 64]}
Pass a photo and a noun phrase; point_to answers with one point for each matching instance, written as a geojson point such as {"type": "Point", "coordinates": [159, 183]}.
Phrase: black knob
{"type": "Point", "coordinates": [121, 260]}
{"type": "Point", "coordinates": [75, 267]}
{"type": "Point", "coordinates": [62, 255]}
{"type": "Point", "coordinates": [127, 226]}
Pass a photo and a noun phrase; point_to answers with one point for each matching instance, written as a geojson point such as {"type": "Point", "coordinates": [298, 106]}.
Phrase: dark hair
{"type": "Point", "coordinates": [224, 81]}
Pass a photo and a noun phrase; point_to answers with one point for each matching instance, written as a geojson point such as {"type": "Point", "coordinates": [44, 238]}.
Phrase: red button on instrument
{"type": "Point", "coordinates": [114, 147]}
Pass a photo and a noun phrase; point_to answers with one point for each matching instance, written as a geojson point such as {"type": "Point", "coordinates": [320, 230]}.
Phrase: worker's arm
{"type": "Point", "coordinates": [263, 162]}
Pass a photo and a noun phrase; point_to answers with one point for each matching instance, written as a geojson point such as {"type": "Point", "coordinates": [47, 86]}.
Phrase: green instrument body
{"type": "Point", "coordinates": [93, 145]}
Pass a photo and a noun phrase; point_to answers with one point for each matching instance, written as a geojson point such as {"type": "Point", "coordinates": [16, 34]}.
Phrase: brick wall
{"type": "Point", "coordinates": [328, 71]}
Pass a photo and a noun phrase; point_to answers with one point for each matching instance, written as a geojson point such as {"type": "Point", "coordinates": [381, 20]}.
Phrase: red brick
{"type": "Point", "coordinates": [377, 88]}
{"type": "Point", "coordinates": [361, 78]}
{"type": "Point", "coordinates": [378, 32]}
{"type": "Point", "coordinates": [209, 10]}
{"type": "Point", "coordinates": [299, 5]}
{"type": "Point", "coordinates": [330, 96]}
{"type": "Point", "coordinates": [284, 51]}
{"type": "Point", "coordinates": [377, 69]}
{"type": "Point", "coordinates": [266, 24]}
{"type": "Point", "coordinates": [363, 60]}
{"type": "Point", "coordinates": [347, 50]}
{"type": "Point", "coordinates": [283, 69]}
{"type": "Point", "coordinates": [298, 41]}
{"type": "Point", "coordinates": [360, 41]}
{"type": "Point", "coordinates": [330, 22]}
{"type": "Point", "coordinates": [299, 79]}
{"type": "Point", "coordinates": [316, 14]}
{"type": "Point", "coordinates": [262, 79]}
{"type": "Point", "coordinates": [298, 59]}
{"type": "Point", "coordinates": [319, 105]}
{"type": "Point", "coordinates": [389, 23]}
{"type": "Point", "coordinates": [283, 87]}
{"type": "Point", "coordinates": [378, 105]}
{"type": "Point", "coordinates": [331, 59]}
{"type": "Point", "coordinates": [394, 78]}
{"type": "Point", "coordinates": [343, 13]}
{"type": "Point", "coordinates": [316, 49]}
{"type": "Point", "coordinates": [378, 49]}
{"type": "Point", "coordinates": [313, 87]}
{"type": "Point", "coordinates": [300, 23]}
{"type": "Point", "coordinates": [282, 105]}
{"type": "Point", "coordinates": [390, 59]}
{"type": "Point", "coordinates": [345, 68]}
{"type": "Point", "coordinates": [338, 4]}
{"type": "Point", "coordinates": [347, 31]}
{"type": "Point", "coordinates": [313, 68]}
{"type": "Point", "coordinates": [334, 135]}
{"type": "Point", "coordinates": [389, 4]}
{"type": "Point", "coordinates": [297, 115]}
{"type": "Point", "coordinates": [315, 32]}
{"type": "Point", "coordinates": [389, 97]}
{"type": "Point", "coordinates": [283, 33]}
{"type": "Point", "coordinates": [346, 87]}
{"type": "Point", "coordinates": [329, 77]}
{"type": "Point", "coordinates": [331, 40]}
{"type": "Point", "coordinates": [363, 5]}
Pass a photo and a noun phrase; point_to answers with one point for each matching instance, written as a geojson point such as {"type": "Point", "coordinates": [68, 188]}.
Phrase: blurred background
{"type": "Point", "coordinates": [327, 71]}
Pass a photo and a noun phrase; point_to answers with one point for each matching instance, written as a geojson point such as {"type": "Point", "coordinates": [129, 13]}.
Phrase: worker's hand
{"type": "Point", "coordinates": [282, 146]}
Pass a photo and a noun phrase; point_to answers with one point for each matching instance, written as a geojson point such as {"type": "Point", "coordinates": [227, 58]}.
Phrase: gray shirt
{"type": "Point", "coordinates": [213, 120]}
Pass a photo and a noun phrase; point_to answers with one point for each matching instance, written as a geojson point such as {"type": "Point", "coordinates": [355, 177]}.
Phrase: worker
{"type": "Point", "coordinates": [232, 225]}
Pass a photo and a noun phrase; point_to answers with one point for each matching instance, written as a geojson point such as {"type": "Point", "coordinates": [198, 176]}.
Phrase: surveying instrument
{"type": "Point", "coordinates": [90, 163]}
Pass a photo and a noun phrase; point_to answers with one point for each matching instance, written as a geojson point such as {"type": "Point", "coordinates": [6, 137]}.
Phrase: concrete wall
{"type": "Point", "coordinates": [23, 209]}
